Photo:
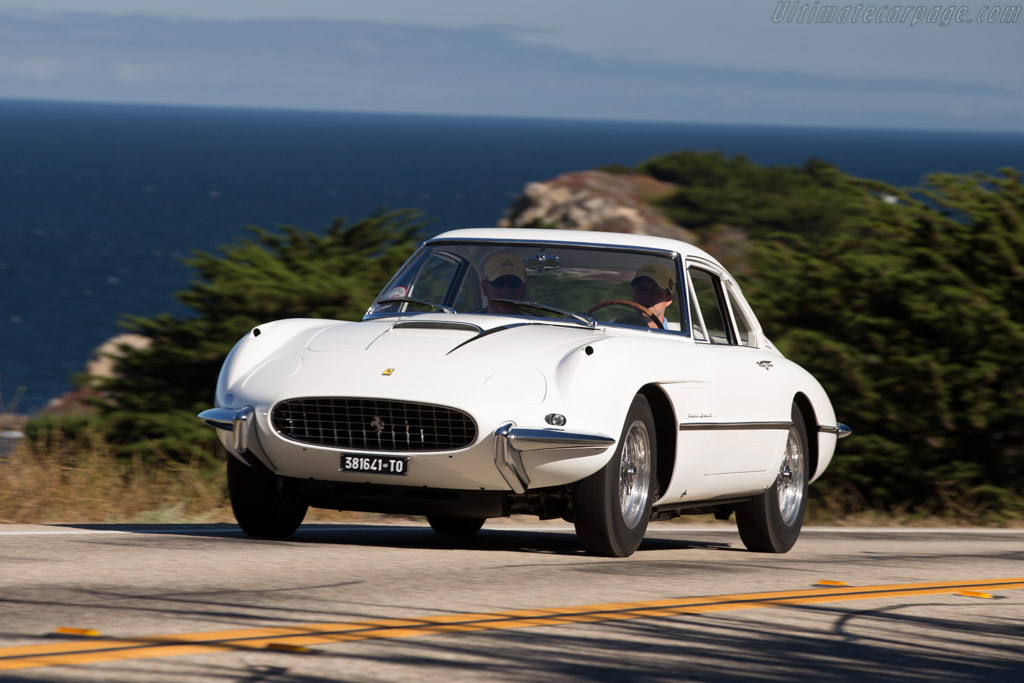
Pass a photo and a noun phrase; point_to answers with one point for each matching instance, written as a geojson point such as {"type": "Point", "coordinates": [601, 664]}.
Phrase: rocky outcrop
{"type": "Point", "coordinates": [596, 200]}
{"type": "Point", "coordinates": [101, 365]}
{"type": "Point", "coordinates": [103, 358]}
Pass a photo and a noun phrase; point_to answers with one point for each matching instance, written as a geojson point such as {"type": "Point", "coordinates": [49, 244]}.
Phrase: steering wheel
{"type": "Point", "coordinates": [643, 309]}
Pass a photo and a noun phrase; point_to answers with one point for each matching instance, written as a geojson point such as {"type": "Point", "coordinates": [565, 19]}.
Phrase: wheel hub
{"type": "Point", "coordinates": [790, 484]}
{"type": "Point", "coordinates": [634, 474]}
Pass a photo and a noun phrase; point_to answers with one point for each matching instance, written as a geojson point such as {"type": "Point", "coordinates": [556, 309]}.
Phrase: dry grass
{"type": "Point", "coordinates": [62, 480]}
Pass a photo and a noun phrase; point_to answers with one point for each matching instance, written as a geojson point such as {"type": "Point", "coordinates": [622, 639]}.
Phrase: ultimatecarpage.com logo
{"type": "Point", "coordinates": [791, 12]}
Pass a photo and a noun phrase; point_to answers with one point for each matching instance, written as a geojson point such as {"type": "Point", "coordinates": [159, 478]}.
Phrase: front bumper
{"type": "Point", "coordinates": [238, 422]}
{"type": "Point", "coordinates": [510, 442]}
{"type": "Point", "coordinates": [544, 449]}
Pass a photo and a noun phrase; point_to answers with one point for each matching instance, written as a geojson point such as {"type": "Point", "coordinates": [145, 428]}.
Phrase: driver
{"type": "Point", "coordinates": [652, 288]}
{"type": "Point", "coordinates": [504, 278]}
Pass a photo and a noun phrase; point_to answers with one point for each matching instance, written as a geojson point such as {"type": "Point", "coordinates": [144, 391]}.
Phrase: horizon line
{"type": "Point", "coordinates": [552, 119]}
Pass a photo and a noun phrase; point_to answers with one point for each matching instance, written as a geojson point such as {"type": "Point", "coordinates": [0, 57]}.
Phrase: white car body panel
{"type": "Point", "coordinates": [520, 369]}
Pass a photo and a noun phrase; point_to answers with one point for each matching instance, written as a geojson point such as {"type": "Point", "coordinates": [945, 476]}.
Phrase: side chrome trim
{"type": "Point", "coordinates": [685, 426]}
{"type": "Point", "coordinates": [238, 422]}
{"type": "Point", "coordinates": [510, 442]}
{"type": "Point", "coordinates": [840, 430]}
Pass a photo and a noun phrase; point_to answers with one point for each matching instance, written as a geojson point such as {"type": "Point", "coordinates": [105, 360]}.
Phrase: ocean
{"type": "Point", "coordinates": [99, 203]}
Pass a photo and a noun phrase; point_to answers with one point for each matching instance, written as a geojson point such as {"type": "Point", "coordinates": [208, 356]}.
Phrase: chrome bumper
{"type": "Point", "coordinates": [840, 430]}
{"type": "Point", "coordinates": [238, 422]}
{"type": "Point", "coordinates": [511, 441]}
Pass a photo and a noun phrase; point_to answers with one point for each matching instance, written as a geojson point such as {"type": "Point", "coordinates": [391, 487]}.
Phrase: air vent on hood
{"type": "Point", "coordinates": [435, 325]}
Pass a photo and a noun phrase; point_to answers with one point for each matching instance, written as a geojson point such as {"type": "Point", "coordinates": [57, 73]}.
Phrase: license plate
{"type": "Point", "coordinates": [374, 464]}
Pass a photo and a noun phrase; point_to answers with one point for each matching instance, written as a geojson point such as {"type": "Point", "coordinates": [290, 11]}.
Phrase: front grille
{"type": "Point", "coordinates": [373, 424]}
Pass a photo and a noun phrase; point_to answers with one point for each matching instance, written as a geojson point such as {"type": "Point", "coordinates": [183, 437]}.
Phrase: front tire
{"type": "Point", "coordinates": [611, 508]}
{"type": "Point", "coordinates": [771, 522]}
{"type": "Point", "coordinates": [455, 526]}
{"type": "Point", "coordinates": [263, 505]}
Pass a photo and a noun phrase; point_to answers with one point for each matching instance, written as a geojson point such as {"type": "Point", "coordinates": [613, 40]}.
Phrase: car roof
{"type": "Point", "coordinates": [582, 237]}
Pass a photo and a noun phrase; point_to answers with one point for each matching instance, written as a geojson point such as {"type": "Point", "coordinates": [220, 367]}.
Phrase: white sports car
{"type": "Point", "coordinates": [607, 379]}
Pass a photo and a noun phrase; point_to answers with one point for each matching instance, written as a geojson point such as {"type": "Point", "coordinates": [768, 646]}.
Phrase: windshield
{"type": "Point", "coordinates": [575, 283]}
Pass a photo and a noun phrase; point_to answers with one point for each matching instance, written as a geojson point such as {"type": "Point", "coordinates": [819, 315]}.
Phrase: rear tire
{"type": "Point", "coordinates": [612, 507]}
{"type": "Point", "coordinates": [263, 505]}
{"type": "Point", "coordinates": [455, 526]}
{"type": "Point", "coordinates": [771, 522]}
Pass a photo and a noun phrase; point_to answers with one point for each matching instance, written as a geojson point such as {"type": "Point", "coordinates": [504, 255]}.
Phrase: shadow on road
{"type": "Point", "coordinates": [558, 541]}
{"type": "Point", "coordinates": [785, 645]}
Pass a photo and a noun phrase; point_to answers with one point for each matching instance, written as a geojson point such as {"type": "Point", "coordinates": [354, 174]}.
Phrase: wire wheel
{"type": "Point", "coordinates": [771, 522]}
{"type": "Point", "coordinates": [611, 507]}
{"type": "Point", "coordinates": [790, 485]}
{"type": "Point", "coordinates": [635, 474]}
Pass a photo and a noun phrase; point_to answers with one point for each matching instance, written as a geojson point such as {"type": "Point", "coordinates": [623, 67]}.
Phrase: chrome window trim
{"type": "Point", "coordinates": [589, 245]}
{"type": "Point", "coordinates": [733, 295]}
{"type": "Point", "coordinates": [697, 317]}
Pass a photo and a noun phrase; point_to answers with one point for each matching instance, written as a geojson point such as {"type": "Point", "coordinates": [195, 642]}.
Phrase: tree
{"type": "Point", "coordinates": [911, 316]}
{"type": "Point", "coordinates": [152, 403]}
{"type": "Point", "coordinates": [712, 190]}
{"type": "Point", "coordinates": [907, 305]}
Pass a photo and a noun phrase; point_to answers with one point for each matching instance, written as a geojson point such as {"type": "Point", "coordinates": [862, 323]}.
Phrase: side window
{"type": "Point", "coordinates": [744, 329]}
{"type": "Point", "coordinates": [707, 290]}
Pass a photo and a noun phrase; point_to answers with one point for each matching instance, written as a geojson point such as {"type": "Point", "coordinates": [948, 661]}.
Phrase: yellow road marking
{"type": "Point", "coordinates": [297, 638]}
{"type": "Point", "coordinates": [66, 630]}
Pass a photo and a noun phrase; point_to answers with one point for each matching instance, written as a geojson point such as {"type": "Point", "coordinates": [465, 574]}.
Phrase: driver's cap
{"type": "Point", "coordinates": [504, 263]}
{"type": "Point", "coordinates": [661, 275]}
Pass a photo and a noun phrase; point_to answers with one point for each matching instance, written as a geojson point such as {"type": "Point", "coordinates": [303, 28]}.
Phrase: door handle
{"type": "Point", "coordinates": [766, 364]}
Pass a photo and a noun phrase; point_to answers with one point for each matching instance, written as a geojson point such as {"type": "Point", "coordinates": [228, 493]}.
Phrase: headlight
{"type": "Point", "coordinates": [517, 386]}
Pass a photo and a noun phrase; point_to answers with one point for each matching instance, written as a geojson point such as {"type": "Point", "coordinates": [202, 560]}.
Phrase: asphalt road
{"type": "Point", "coordinates": [514, 603]}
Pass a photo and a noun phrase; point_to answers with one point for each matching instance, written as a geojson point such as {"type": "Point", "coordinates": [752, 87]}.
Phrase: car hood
{"type": "Point", "coordinates": [434, 359]}
{"type": "Point", "coordinates": [437, 337]}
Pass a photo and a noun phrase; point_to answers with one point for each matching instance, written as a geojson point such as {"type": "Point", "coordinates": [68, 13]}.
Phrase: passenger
{"type": "Point", "coordinates": [652, 288]}
{"type": "Point", "coordinates": [504, 278]}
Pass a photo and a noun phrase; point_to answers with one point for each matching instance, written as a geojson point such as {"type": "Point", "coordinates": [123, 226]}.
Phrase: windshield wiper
{"type": "Point", "coordinates": [579, 317]}
{"type": "Point", "coordinates": [413, 300]}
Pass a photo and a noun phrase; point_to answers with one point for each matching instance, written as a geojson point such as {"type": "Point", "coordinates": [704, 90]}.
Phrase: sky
{"type": "Point", "coordinates": [764, 62]}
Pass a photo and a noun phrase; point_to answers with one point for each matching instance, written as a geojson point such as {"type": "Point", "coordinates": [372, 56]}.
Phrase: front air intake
{"type": "Point", "coordinates": [369, 424]}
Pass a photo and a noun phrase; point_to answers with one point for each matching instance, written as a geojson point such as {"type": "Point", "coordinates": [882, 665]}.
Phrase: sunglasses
{"type": "Point", "coordinates": [507, 282]}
